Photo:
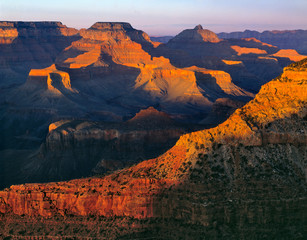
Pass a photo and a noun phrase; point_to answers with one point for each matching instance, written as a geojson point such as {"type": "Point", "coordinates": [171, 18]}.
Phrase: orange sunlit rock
{"type": "Point", "coordinates": [243, 50]}
{"type": "Point", "coordinates": [135, 191]}
{"type": "Point", "coordinates": [232, 62]}
{"type": "Point", "coordinates": [292, 54]}
{"type": "Point", "coordinates": [222, 79]}
{"type": "Point", "coordinates": [57, 124]}
{"type": "Point", "coordinates": [50, 77]}
{"type": "Point", "coordinates": [258, 41]}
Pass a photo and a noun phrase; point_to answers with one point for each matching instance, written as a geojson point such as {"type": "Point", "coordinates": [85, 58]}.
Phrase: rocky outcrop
{"type": "Point", "coordinates": [151, 116]}
{"type": "Point", "coordinates": [248, 171]}
{"type": "Point", "coordinates": [215, 83]}
{"type": "Point", "coordinates": [49, 79]}
{"type": "Point", "coordinates": [281, 98]}
{"type": "Point", "coordinates": [232, 62]}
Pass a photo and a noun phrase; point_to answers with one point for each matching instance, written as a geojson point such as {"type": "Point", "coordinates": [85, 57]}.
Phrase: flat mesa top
{"type": "Point", "coordinates": [111, 25]}
{"type": "Point", "coordinates": [21, 24]}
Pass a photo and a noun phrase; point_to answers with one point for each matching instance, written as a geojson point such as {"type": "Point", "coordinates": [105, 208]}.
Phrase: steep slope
{"type": "Point", "coordinates": [245, 178]}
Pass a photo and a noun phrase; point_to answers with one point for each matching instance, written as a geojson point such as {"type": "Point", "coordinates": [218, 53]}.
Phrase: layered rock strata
{"type": "Point", "coordinates": [247, 172]}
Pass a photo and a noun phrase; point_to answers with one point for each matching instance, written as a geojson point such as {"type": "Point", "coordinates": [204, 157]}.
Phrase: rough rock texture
{"type": "Point", "coordinates": [244, 179]}
{"type": "Point", "coordinates": [116, 56]}
{"type": "Point", "coordinates": [106, 73]}
{"type": "Point", "coordinates": [288, 39]}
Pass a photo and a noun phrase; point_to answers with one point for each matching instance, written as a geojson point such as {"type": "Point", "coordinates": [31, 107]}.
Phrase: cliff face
{"type": "Point", "coordinates": [49, 79]}
{"type": "Point", "coordinates": [241, 175]}
{"type": "Point", "coordinates": [37, 29]}
{"type": "Point", "coordinates": [27, 45]}
{"type": "Point", "coordinates": [105, 73]}
{"type": "Point", "coordinates": [115, 56]}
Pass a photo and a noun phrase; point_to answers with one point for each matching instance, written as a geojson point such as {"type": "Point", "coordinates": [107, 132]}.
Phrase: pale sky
{"type": "Point", "coordinates": [164, 17]}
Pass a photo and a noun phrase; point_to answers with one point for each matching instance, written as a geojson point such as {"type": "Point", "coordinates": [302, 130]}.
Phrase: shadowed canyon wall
{"type": "Point", "coordinates": [245, 178]}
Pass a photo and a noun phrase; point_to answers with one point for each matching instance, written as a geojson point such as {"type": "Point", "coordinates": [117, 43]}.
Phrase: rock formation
{"type": "Point", "coordinates": [290, 54]}
{"type": "Point", "coordinates": [288, 39]}
{"type": "Point", "coordinates": [196, 35]}
{"type": "Point", "coordinates": [28, 45]}
{"type": "Point", "coordinates": [203, 48]}
{"type": "Point", "coordinates": [242, 50]}
{"type": "Point", "coordinates": [107, 73]}
{"type": "Point", "coordinates": [244, 178]}
{"type": "Point", "coordinates": [108, 51]}
{"type": "Point", "coordinates": [50, 79]}
{"type": "Point", "coordinates": [83, 148]}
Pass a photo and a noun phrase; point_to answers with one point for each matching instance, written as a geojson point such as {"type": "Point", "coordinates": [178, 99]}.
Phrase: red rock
{"type": "Point", "coordinates": [134, 191]}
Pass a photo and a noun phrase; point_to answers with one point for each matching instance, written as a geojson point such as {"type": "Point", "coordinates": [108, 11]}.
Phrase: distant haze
{"type": "Point", "coordinates": [164, 17]}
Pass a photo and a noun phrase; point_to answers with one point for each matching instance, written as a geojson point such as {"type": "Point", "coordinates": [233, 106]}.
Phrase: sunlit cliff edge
{"type": "Point", "coordinates": [251, 169]}
{"type": "Point", "coordinates": [259, 152]}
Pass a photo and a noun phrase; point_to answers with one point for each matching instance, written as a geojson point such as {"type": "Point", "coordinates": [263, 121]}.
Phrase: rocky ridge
{"type": "Point", "coordinates": [288, 39]}
{"type": "Point", "coordinates": [248, 171]}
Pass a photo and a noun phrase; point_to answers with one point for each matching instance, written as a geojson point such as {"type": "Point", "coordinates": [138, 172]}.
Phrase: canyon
{"type": "Point", "coordinates": [184, 138]}
{"type": "Point", "coordinates": [244, 178]}
{"type": "Point", "coordinates": [100, 78]}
